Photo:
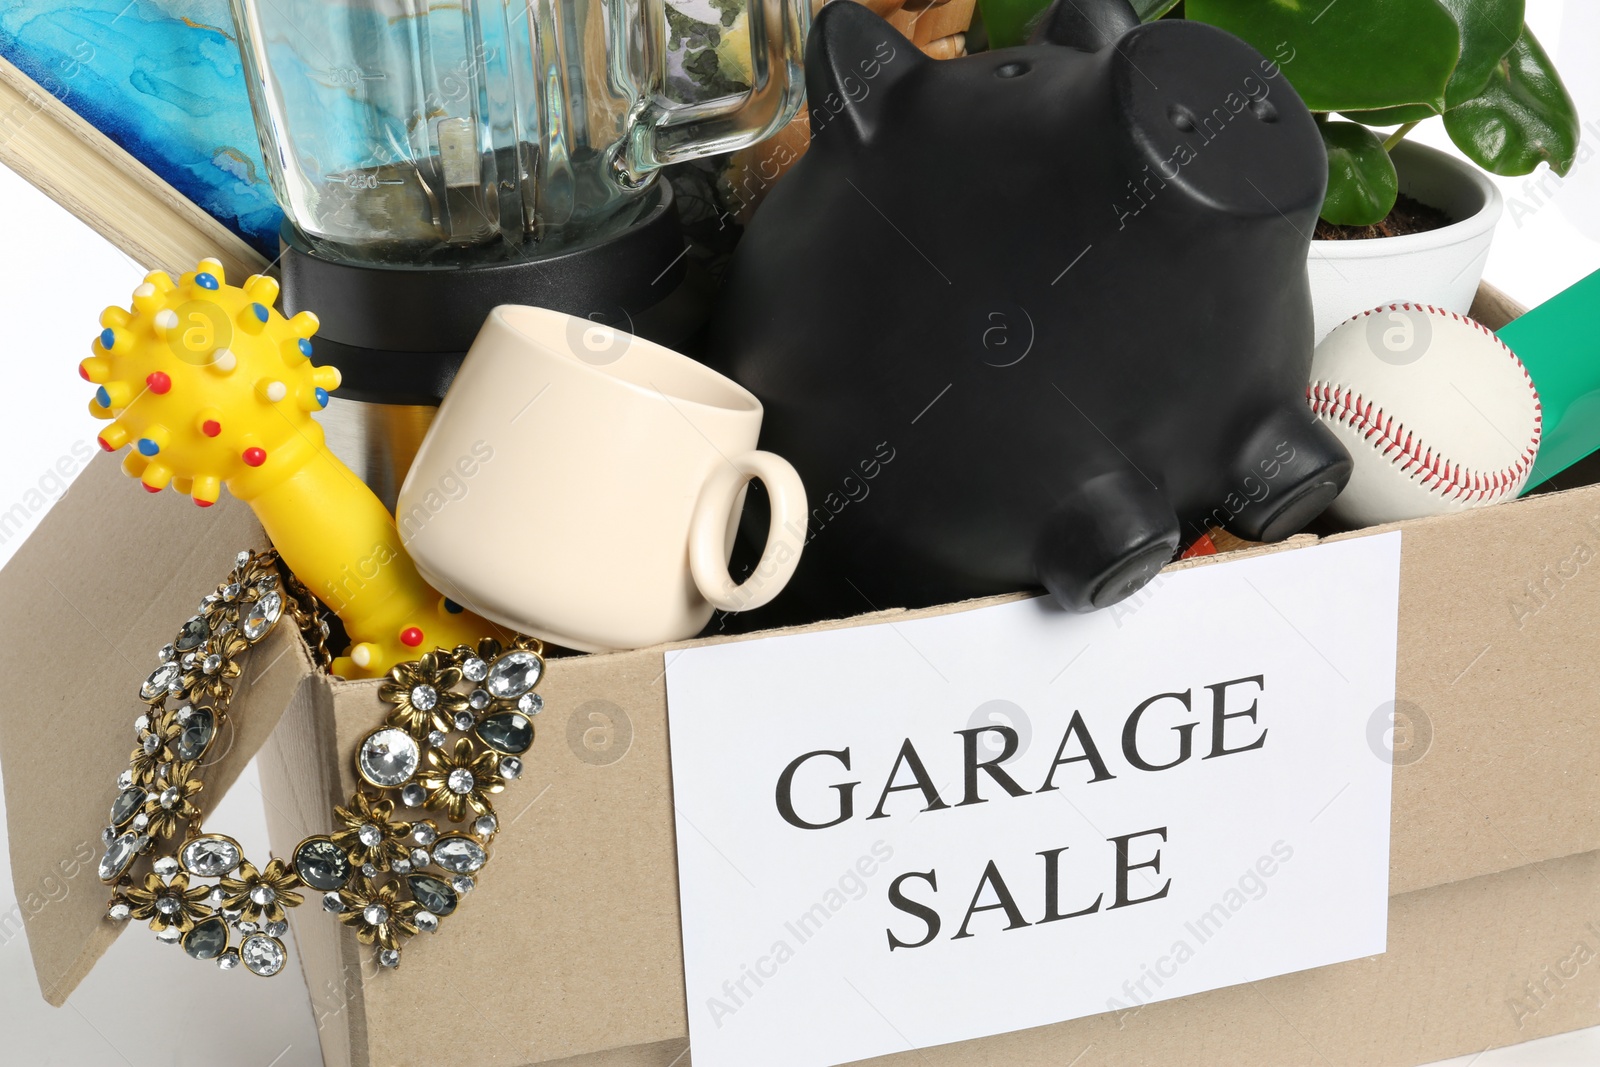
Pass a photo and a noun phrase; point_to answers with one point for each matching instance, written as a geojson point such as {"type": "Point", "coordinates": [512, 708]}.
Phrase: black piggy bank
{"type": "Point", "coordinates": [1035, 316]}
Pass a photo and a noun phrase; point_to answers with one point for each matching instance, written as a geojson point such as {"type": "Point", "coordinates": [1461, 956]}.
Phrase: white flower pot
{"type": "Point", "coordinates": [1441, 267]}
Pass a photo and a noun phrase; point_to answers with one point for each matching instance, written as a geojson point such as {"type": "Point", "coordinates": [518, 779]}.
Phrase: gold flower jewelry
{"type": "Point", "coordinates": [369, 836]}
{"type": "Point", "coordinates": [387, 877]}
{"type": "Point", "coordinates": [379, 914]}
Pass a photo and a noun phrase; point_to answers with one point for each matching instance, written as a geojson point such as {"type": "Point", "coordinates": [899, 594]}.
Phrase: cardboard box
{"type": "Point", "coordinates": [568, 955]}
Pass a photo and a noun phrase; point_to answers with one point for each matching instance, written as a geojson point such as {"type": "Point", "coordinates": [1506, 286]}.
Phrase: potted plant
{"type": "Point", "coordinates": [1401, 221]}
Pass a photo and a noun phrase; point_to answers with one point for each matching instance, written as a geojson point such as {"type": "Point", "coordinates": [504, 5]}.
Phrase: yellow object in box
{"type": "Point", "coordinates": [211, 386]}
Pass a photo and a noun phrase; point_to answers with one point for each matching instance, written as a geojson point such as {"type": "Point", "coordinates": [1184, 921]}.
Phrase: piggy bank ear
{"type": "Point", "coordinates": [853, 57]}
{"type": "Point", "coordinates": [1087, 25]}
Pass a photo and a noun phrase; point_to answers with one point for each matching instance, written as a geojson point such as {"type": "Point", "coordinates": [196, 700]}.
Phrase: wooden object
{"type": "Point", "coordinates": [83, 170]}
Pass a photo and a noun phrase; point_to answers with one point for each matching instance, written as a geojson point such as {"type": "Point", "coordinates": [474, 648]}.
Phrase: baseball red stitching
{"type": "Point", "coordinates": [1407, 451]}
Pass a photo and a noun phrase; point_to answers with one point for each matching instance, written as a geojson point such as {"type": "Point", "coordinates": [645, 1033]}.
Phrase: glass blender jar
{"type": "Point", "coordinates": [434, 158]}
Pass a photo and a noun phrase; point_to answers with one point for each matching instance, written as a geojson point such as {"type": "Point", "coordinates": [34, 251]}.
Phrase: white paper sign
{"type": "Point", "coordinates": [1198, 796]}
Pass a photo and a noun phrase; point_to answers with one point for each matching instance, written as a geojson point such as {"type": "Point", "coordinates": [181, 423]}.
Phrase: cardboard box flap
{"type": "Point", "coordinates": [81, 617]}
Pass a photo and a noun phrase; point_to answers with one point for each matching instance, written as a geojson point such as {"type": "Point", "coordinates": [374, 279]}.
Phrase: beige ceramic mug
{"type": "Point", "coordinates": [583, 485]}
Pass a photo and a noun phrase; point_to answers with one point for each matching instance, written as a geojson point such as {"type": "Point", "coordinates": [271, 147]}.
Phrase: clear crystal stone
{"type": "Point", "coordinates": [118, 912]}
{"type": "Point", "coordinates": [530, 703]}
{"type": "Point", "coordinates": [170, 936]}
{"type": "Point", "coordinates": [166, 653]}
{"type": "Point", "coordinates": [216, 898]}
{"type": "Point", "coordinates": [210, 856]}
{"type": "Point", "coordinates": [213, 664]}
{"type": "Point", "coordinates": [413, 796]}
{"type": "Point", "coordinates": [168, 905]}
{"type": "Point", "coordinates": [460, 781]}
{"type": "Point", "coordinates": [140, 821]}
{"type": "Point", "coordinates": [459, 855]}
{"type": "Point", "coordinates": [424, 697]}
{"type": "Point", "coordinates": [107, 835]}
{"type": "Point", "coordinates": [423, 833]}
{"type": "Point", "coordinates": [231, 591]}
{"type": "Point", "coordinates": [277, 929]}
{"type": "Point", "coordinates": [263, 895]}
{"type": "Point", "coordinates": [369, 870]}
{"type": "Point", "coordinates": [228, 960]}
{"type": "Point", "coordinates": [170, 797]}
{"type": "Point", "coordinates": [262, 954]}
{"type": "Point", "coordinates": [436, 738]}
{"type": "Point", "coordinates": [400, 866]}
{"type": "Point", "coordinates": [151, 744]}
{"type": "Point", "coordinates": [485, 825]}
{"type": "Point", "coordinates": [332, 902]}
{"type": "Point", "coordinates": [474, 669]}
{"type": "Point", "coordinates": [369, 835]}
{"type": "Point", "coordinates": [388, 757]}
{"type": "Point", "coordinates": [389, 957]}
{"type": "Point", "coordinates": [125, 780]}
{"type": "Point", "coordinates": [166, 866]}
{"type": "Point", "coordinates": [190, 659]}
{"type": "Point", "coordinates": [262, 615]}
{"type": "Point", "coordinates": [464, 721]}
{"type": "Point", "coordinates": [419, 857]}
{"type": "Point", "coordinates": [375, 914]}
{"type": "Point", "coordinates": [511, 767]}
{"type": "Point", "coordinates": [478, 699]}
{"type": "Point", "coordinates": [231, 914]}
{"type": "Point", "coordinates": [462, 884]}
{"type": "Point", "coordinates": [242, 559]}
{"type": "Point", "coordinates": [141, 725]}
{"type": "Point", "coordinates": [247, 927]}
{"type": "Point", "coordinates": [426, 921]}
{"type": "Point", "coordinates": [224, 627]}
{"type": "Point", "coordinates": [184, 714]}
{"type": "Point", "coordinates": [159, 681]}
{"type": "Point", "coordinates": [513, 674]}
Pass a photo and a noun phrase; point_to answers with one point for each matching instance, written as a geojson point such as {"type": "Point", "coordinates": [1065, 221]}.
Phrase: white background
{"type": "Point", "coordinates": [56, 275]}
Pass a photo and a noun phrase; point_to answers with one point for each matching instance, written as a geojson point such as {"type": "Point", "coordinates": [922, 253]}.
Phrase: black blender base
{"type": "Point", "coordinates": [398, 334]}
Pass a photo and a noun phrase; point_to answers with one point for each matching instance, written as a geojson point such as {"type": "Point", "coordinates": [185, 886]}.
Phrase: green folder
{"type": "Point", "coordinates": [1559, 343]}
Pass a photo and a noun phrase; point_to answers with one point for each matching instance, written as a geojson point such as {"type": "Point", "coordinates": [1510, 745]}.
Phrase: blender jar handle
{"type": "Point", "coordinates": [663, 132]}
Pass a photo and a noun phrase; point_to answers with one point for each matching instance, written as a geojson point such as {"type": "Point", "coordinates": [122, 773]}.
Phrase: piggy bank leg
{"type": "Point", "coordinates": [1105, 541]}
{"type": "Point", "coordinates": [1287, 475]}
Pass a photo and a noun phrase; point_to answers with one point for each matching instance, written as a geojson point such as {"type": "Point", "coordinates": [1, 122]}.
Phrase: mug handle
{"type": "Point", "coordinates": [708, 542]}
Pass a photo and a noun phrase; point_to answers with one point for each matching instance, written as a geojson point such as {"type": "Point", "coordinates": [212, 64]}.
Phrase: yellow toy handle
{"type": "Point", "coordinates": [212, 386]}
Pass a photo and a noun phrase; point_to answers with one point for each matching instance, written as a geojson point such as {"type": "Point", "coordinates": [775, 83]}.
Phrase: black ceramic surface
{"type": "Point", "coordinates": [1035, 316]}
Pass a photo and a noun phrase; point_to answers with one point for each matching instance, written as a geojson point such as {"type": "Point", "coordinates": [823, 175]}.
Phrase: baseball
{"type": "Point", "coordinates": [1437, 412]}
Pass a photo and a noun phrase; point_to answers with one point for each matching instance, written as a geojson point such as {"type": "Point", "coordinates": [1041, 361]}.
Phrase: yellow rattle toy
{"type": "Point", "coordinates": [214, 387]}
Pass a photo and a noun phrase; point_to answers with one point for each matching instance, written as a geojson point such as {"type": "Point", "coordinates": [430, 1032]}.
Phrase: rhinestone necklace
{"type": "Point", "coordinates": [442, 751]}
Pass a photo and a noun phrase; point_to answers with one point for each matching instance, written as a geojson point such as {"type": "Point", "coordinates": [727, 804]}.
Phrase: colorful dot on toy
{"type": "Point", "coordinates": [254, 456]}
{"type": "Point", "coordinates": [102, 396]}
{"type": "Point", "coordinates": [206, 280]}
{"type": "Point", "coordinates": [273, 390]}
{"type": "Point", "coordinates": [158, 381]}
{"type": "Point", "coordinates": [259, 311]}
{"type": "Point", "coordinates": [305, 347]}
{"type": "Point", "coordinates": [108, 338]}
{"type": "Point", "coordinates": [210, 427]}
{"type": "Point", "coordinates": [224, 360]}
{"type": "Point", "coordinates": [411, 637]}
{"type": "Point", "coordinates": [322, 396]}
{"type": "Point", "coordinates": [148, 447]}
{"type": "Point", "coordinates": [452, 607]}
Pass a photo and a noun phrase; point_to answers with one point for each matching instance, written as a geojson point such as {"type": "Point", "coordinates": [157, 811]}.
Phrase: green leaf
{"type": "Point", "coordinates": [1392, 116]}
{"type": "Point", "coordinates": [1489, 30]}
{"type": "Point", "coordinates": [1522, 118]}
{"type": "Point", "coordinates": [1362, 183]}
{"type": "Point", "coordinates": [1348, 55]}
{"type": "Point", "coordinates": [1150, 10]}
{"type": "Point", "coordinates": [1010, 22]}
